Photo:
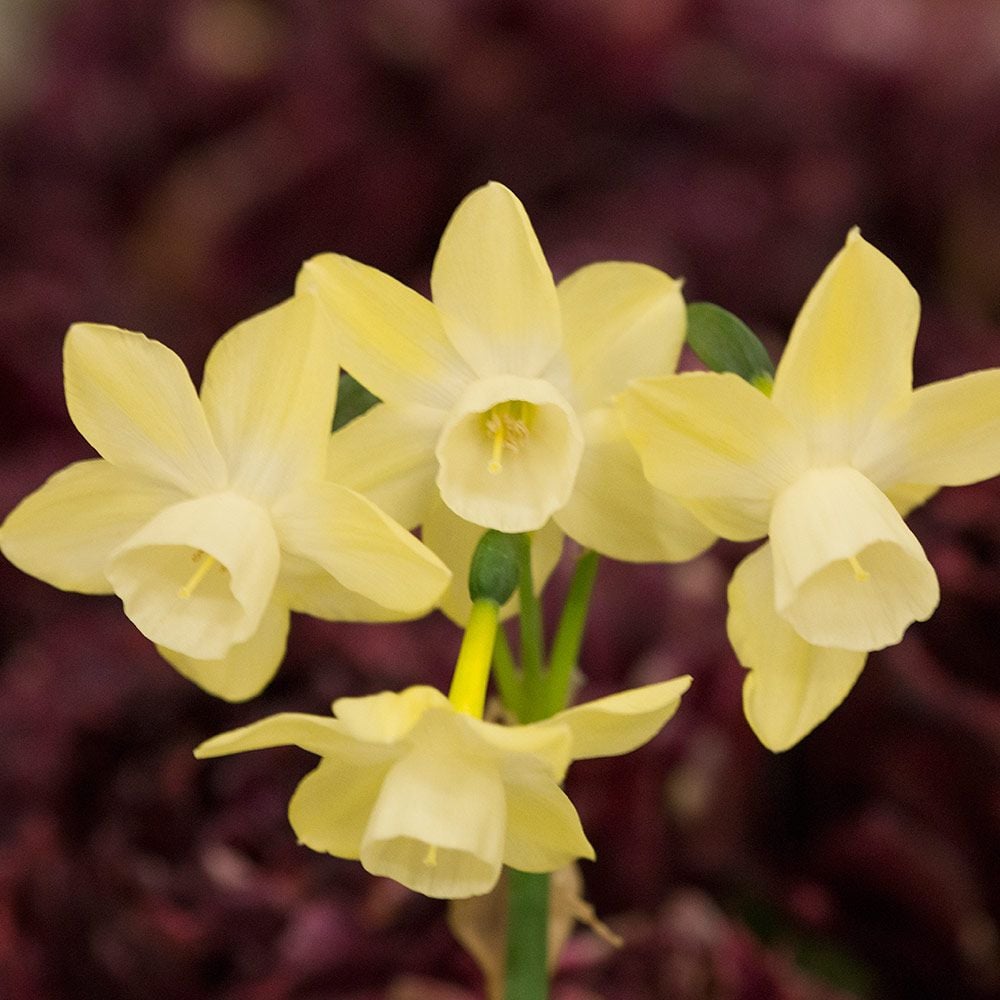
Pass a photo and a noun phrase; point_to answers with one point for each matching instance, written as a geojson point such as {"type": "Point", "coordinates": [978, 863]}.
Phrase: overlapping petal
{"type": "Point", "coordinates": [792, 685]}
{"type": "Point", "coordinates": [66, 530]}
{"type": "Point", "coordinates": [621, 321]}
{"type": "Point", "coordinates": [360, 547]}
{"type": "Point", "coordinates": [269, 392]}
{"type": "Point", "coordinates": [133, 400]}
{"type": "Point", "coordinates": [850, 353]}
{"type": "Point", "coordinates": [387, 454]}
{"type": "Point", "coordinates": [390, 337]}
{"type": "Point", "coordinates": [714, 439]}
{"type": "Point", "coordinates": [247, 668]}
{"type": "Point", "coordinates": [494, 289]}
{"type": "Point", "coordinates": [615, 510]}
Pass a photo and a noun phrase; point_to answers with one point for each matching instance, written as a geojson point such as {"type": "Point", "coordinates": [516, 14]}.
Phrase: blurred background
{"type": "Point", "coordinates": [166, 165]}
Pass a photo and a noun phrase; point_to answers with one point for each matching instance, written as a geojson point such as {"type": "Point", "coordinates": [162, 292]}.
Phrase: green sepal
{"type": "Point", "coordinates": [724, 343]}
{"type": "Point", "coordinates": [353, 399]}
{"type": "Point", "coordinates": [493, 574]}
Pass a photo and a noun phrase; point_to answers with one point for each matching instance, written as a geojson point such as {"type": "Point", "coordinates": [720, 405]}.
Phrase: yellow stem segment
{"type": "Point", "coordinates": [472, 670]}
{"type": "Point", "coordinates": [205, 563]}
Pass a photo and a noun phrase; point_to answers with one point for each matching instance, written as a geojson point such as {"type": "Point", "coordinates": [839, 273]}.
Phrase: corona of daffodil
{"type": "Point", "coordinates": [828, 466]}
{"type": "Point", "coordinates": [496, 394]}
{"type": "Point", "coordinates": [437, 799]}
{"type": "Point", "coordinates": [211, 518]}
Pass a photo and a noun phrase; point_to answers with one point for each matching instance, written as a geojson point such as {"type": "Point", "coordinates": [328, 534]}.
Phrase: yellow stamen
{"type": "Point", "coordinates": [431, 857]}
{"type": "Point", "coordinates": [499, 436]}
{"type": "Point", "coordinates": [205, 563]}
{"type": "Point", "coordinates": [507, 424]}
{"type": "Point", "coordinates": [860, 573]}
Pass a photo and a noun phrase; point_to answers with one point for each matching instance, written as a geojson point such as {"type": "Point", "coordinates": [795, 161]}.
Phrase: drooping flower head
{"type": "Point", "coordinates": [827, 467]}
{"type": "Point", "coordinates": [496, 394]}
{"type": "Point", "coordinates": [212, 517]}
{"type": "Point", "coordinates": [437, 799]}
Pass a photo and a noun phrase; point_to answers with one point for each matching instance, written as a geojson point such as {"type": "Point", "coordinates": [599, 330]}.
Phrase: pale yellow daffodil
{"type": "Point", "coordinates": [828, 466]}
{"type": "Point", "coordinates": [437, 799]}
{"type": "Point", "coordinates": [497, 395]}
{"type": "Point", "coordinates": [211, 518]}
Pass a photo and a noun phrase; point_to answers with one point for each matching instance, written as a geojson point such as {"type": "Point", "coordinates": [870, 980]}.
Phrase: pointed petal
{"type": "Point", "coordinates": [390, 338]}
{"type": "Point", "coordinates": [133, 400]}
{"type": "Point", "coordinates": [269, 390]}
{"type": "Point", "coordinates": [494, 289]}
{"type": "Point", "coordinates": [360, 547]}
{"type": "Point", "coordinates": [714, 439]}
{"type": "Point", "coordinates": [454, 540]}
{"type": "Point", "coordinates": [620, 322]}
{"type": "Point", "coordinates": [248, 666]}
{"type": "Point", "coordinates": [330, 809]}
{"type": "Point", "coordinates": [949, 435]}
{"type": "Point", "coordinates": [620, 722]}
{"type": "Point", "coordinates": [615, 510]}
{"type": "Point", "coordinates": [543, 828]}
{"type": "Point", "coordinates": [66, 530]}
{"type": "Point", "coordinates": [198, 576]}
{"type": "Point", "coordinates": [508, 453]}
{"type": "Point", "coordinates": [389, 716]}
{"type": "Point", "coordinates": [792, 686]}
{"type": "Point", "coordinates": [850, 353]}
{"type": "Point", "coordinates": [318, 734]}
{"type": "Point", "coordinates": [848, 572]}
{"type": "Point", "coordinates": [387, 455]}
{"type": "Point", "coordinates": [438, 824]}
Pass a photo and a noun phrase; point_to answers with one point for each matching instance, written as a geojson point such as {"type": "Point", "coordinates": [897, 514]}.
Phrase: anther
{"type": "Point", "coordinates": [205, 563]}
{"type": "Point", "coordinates": [860, 573]}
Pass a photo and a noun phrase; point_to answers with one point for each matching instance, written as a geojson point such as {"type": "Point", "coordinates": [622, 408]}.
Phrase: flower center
{"type": "Point", "coordinates": [508, 424]}
{"type": "Point", "coordinates": [205, 563]}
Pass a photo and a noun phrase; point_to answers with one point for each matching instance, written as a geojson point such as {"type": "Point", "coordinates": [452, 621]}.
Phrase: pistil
{"type": "Point", "coordinates": [860, 573]}
{"type": "Point", "coordinates": [205, 563]}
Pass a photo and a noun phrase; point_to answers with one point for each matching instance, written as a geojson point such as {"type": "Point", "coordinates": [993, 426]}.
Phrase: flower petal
{"type": "Point", "coordinates": [616, 511]}
{"type": "Point", "coordinates": [361, 548]}
{"type": "Point", "coordinates": [543, 828]}
{"type": "Point", "coordinates": [248, 666]}
{"type": "Point", "coordinates": [792, 685]}
{"type": "Point", "coordinates": [387, 454]}
{"type": "Point", "coordinates": [509, 453]}
{"type": "Point", "coordinates": [620, 722]}
{"type": "Point", "coordinates": [850, 353]}
{"type": "Point", "coordinates": [620, 321]}
{"type": "Point", "coordinates": [493, 287]}
{"type": "Point", "coordinates": [64, 532]}
{"type": "Point", "coordinates": [949, 435]}
{"type": "Point", "coordinates": [198, 576]}
{"type": "Point", "coordinates": [318, 734]}
{"type": "Point", "coordinates": [330, 809]}
{"type": "Point", "coordinates": [848, 572]}
{"type": "Point", "coordinates": [269, 391]}
{"type": "Point", "coordinates": [390, 338]}
{"type": "Point", "coordinates": [713, 439]}
{"type": "Point", "coordinates": [133, 400]}
{"type": "Point", "coordinates": [389, 716]}
{"type": "Point", "coordinates": [454, 540]}
{"type": "Point", "coordinates": [438, 824]}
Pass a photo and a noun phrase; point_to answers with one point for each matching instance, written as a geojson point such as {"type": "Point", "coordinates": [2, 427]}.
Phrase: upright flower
{"type": "Point", "coordinates": [211, 518]}
{"type": "Point", "coordinates": [437, 799]}
{"type": "Point", "coordinates": [828, 466]}
{"type": "Point", "coordinates": [496, 395]}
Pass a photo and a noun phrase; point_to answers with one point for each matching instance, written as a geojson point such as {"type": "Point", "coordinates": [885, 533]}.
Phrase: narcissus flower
{"type": "Point", "coordinates": [828, 466]}
{"type": "Point", "coordinates": [497, 394]}
{"type": "Point", "coordinates": [211, 518]}
{"type": "Point", "coordinates": [439, 800]}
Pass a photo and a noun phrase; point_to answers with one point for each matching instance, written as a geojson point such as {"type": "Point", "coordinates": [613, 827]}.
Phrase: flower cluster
{"type": "Point", "coordinates": [511, 403]}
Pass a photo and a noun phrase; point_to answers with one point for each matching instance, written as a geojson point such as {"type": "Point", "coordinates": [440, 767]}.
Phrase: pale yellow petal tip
{"type": "Point", "coordinates": [854, 236]}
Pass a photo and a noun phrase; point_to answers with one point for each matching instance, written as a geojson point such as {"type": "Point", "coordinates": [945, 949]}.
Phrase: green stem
{"type": "Point", "coordinates": [527, 936]}
{"type": "Point", "coordinates": [507, 676]}
{"type": "Point", "coordinates": [532, 656]}
{"type": "Point", "coordinates": [569, 634]}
